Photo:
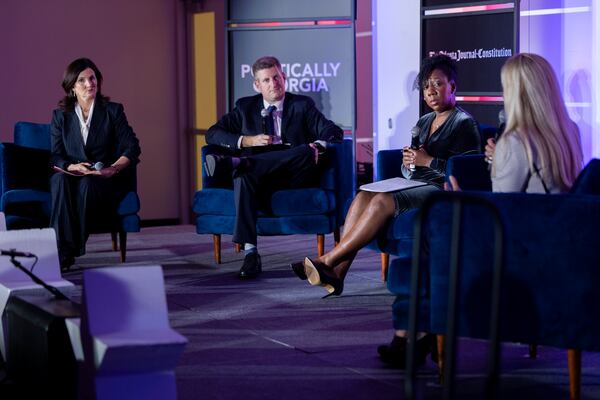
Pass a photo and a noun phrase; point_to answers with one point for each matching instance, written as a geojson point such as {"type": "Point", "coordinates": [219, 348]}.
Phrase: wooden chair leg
{"type": "Point", "coordinates": [574, 361]}
{"type": "Point", "coordinates": [336, 237]}
{"type": "Point", "coordinates": [237, 247]}
{"type": "Point", "coordinates": [385, 262]}
{"type": "Point", "coordinates": [217, 248]}
{"type": "Point", "coordinates": [113, 237]}
{"type": "Point", "coordinates": [440, 363]}
{"type": "Point", "coordinates": [320, 244]}
{"type": "Point", "coordinates": [123, 245]}
{"type": "Point", "coordinates": [533, 351]}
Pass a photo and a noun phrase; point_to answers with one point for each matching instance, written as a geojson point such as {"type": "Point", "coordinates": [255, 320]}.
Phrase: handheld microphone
{"type": "Point", "coordinates": [501, 124]}
{"type": "Point", "coordinates": [264, 113]}
{"type": "Point", "coordinates": [96, 167]}
{"type": "Point", "coordinates": [15, 253]}
{"type": "Point", "coordinates": [414, 142]}
{"type": "Point", "coordinates": [499, 132]}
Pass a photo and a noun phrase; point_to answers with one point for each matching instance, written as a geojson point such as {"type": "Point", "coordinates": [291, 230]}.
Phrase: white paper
{"type": "Point", "coordinates": [391, 185]}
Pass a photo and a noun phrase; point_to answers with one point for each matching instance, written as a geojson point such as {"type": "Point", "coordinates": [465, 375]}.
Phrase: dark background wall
{"type": "Point", "coordinates": [141, 47]}
{"type": "Point", "coordinates": [135, 45]}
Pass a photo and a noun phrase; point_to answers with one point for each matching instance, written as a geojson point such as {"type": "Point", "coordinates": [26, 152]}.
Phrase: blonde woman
{"type": "Point", "coordinates": [540, 149]}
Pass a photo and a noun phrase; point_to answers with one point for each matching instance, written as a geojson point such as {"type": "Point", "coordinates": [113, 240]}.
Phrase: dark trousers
{"type": "Point", "coordinates": [79, 206]}
{"type": "Point", "coordinates": [261, 175]}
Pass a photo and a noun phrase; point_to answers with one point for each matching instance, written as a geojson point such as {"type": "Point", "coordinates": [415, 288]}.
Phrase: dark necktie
{"type": "Point", "coordinates": [270, 123]}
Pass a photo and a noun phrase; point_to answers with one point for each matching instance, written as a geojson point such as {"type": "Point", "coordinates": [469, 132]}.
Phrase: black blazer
{"type": "Point", "coordinates": [110, 137]}
{"type": "Point", "coordinates": [301, 122]}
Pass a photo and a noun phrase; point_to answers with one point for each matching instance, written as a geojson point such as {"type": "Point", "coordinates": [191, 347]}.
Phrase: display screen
{"type": "Point", "coordinates": [480, 43]}
{"type": "Point", "coordinates": [276, 10]}
{"type": "Point", "coordinates": [462, 3]}
{"type": "Point", "coordinates": [484, 113]}
{"type": "Point", "coordinates": [318, 63]}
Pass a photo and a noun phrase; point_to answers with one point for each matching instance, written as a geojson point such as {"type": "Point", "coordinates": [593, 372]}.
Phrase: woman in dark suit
{"type": "Point", "coordinates": [94, 146]}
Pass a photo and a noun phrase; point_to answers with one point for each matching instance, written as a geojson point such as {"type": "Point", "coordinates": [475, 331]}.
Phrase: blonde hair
{"type": "Point", "coordinates": [536, 114]}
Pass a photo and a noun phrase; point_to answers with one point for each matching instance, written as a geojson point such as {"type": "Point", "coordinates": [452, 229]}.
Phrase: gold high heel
{"type": "Point", "coordinates": [317, 275]}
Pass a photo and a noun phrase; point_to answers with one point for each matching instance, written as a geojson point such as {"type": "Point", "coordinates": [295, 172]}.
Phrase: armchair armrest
{"type": "Point", "coordinates": [33, 135]}
{"type": "Point", "coordinates": [471, 171]}
{"type": "Point", "coordinates": [389, 163]}
{"type": "Point", "coordinates": [25, 196]}
{"type": "Point", "coordinates": [339, 177]}
{"type": "Point", "coordinates": [588, 180]}
{"type": "Point", "coordinates": [24, 168]}
{"type": "Point", "coordinates": [129, 205]}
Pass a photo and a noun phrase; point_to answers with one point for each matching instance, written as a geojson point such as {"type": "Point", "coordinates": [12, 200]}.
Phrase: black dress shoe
{"type": "Point", "coordinates": [298, 269]}
{"type": "Point", "coordinates": [317, 274]}
{"type": "Point", "coordinates": [252, 266]}
{"type": "Point", "coordinates": [394, 354]}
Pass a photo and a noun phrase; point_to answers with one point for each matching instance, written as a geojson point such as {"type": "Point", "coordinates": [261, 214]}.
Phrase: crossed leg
{"type": "Point", "coordinates": [367, 215]}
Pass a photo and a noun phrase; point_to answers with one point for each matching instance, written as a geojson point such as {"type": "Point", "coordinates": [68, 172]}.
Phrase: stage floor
{"type": "Point", "coordinates": [275, 338]}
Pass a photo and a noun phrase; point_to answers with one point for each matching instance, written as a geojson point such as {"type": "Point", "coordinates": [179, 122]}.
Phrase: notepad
{"type": "Point", "coordinates": [391, 185]}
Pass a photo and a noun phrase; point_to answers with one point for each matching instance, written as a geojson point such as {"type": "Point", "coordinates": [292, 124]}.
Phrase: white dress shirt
{"type": "Point", "coordinates": [84, 125]}
{"type": "Point", "coordinates": [276, 115]}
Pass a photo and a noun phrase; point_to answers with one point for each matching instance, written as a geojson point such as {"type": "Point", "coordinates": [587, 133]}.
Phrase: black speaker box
{"type": "Point", "coordinates": [39, 356]}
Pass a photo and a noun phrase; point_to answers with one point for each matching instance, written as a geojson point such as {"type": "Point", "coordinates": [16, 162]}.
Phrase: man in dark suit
{"type": "Point", "coordinates": [281, 137]}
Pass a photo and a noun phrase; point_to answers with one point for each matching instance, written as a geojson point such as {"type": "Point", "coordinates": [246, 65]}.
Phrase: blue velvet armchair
{"type": "Point", "coordinates": [25, 191]}
{"type": "Point", "coordinates": [471, 171]}
{"type": "Point", "coordinates": [549, 285]}
{"type": "Point", "coordinates": [316, 211]}
{"type": "Point", "coordinates": [550, 276]}
{"type": "Point", "coordinates": [397, 237]}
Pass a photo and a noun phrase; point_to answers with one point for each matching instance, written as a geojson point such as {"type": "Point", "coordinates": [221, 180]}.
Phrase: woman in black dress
{"type": "Point", "coordinates": [444, 132]}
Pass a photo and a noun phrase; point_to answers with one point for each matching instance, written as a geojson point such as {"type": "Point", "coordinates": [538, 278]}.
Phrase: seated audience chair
{"type": "Point", "coordinates": [473, 174]}
{"type": "Point", "coordinates": [296, 211]}
{"type": "Point", "coordinates": [40, 242]}
{"type": "Point", "coordinates": [550, 274]}
{"type": "Point", "coordinates": [129, 347]}
{"type": "Point", "coordinates": [25, 190]}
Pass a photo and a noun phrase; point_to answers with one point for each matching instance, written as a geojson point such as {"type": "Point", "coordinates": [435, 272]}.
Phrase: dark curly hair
{"type": "Point", "coordinates": [440, 61]}
{"type": "Point", "coordinates": [72, 72]}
